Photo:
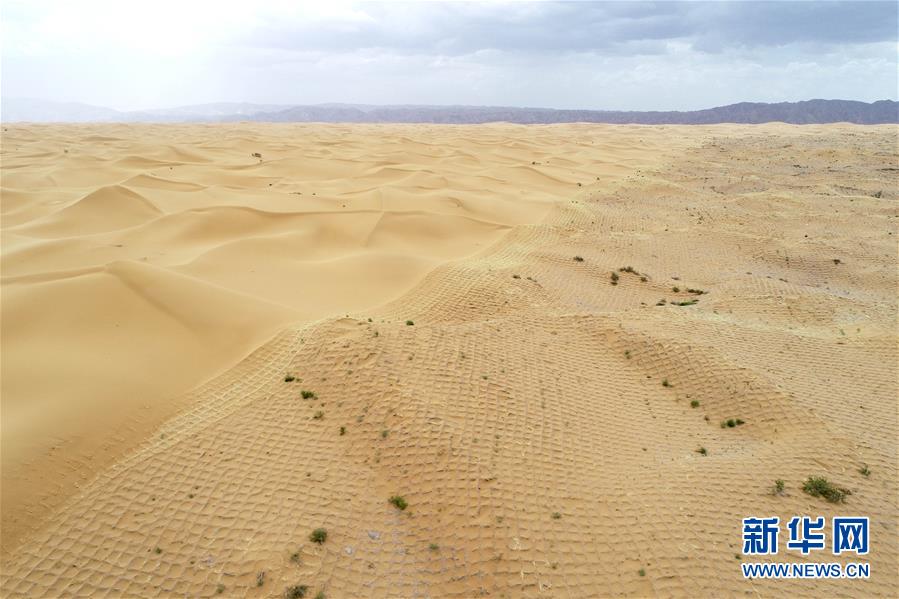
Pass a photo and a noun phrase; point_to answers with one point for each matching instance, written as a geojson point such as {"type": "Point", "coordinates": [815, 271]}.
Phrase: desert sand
{"type": "Point", "coordinates": [456, 304]}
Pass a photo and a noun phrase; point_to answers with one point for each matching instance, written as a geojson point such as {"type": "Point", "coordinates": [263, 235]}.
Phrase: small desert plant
{"type": "Point", "coordinates": [398, 502]}
{"type": "Point", "coordinates": [318, 415]}
{"type": "Point", "coordinates": [686, 303]}
{"type": "Point", "coordinates": [665, 383]}
{"type": "Point", "coordinates": [675, 289]}
{"type": "Point", "coordinates": [556, 515]}
{"type": "Point", "coordinates": [319, 535]}
{"type": "Point", "coordinates": [578, 259]}
{"type": "Point", "coordinates": [864, 470]}
{"type": "Point", "coordinates": [643, 279]}
{"type": "Point", "coordinates": [629, 269]}
{"type": "Point", "coordinates": [308, 394]}
{"type": "Point", "coordinates": [219, 589]}
{"type": "Point", "coordinates": [818, 486]}
{"type": "Point", "coordinates": [614, 278]}
{"type": "Point", "coordinates": [661, 302]}
{"type": "Point", "coordinates": [342, 431]}
{"type": "Point", "coordinates": [298, 591]}
{"type": "Point", "coordinates": [295, 557]}
{"type": "Point", "coordinates": [779, 486]}
{"type": "Point", "coordinates": [702, 451]}
{"type": "Point", "coordinates": [320, 595]}
{"type": "Point", "coordinates": [641, 572]}
{"type": "Point", "coordinates": [289, 378]}
{"type": "Point", "coordinates": [256, 155]}
{"type": "Point", "coordinates": [260, 579]}
{"type": "Point", "coordinates": [627, 354]}
{"type": "Point", "coordinates": [694, 404]}
{"type": "Point", "coordinates": [409, 323]}
{"type": "Point", "coordinates": [384, 433]}
{"type": "Point", "coordinates": [157, 551]}
{"type": "Point", "coordinates": [695, 291]}
{"type": "Point", "coordinates": [434, 547]}
{"type": "Point", "coordinates": [516, 276]}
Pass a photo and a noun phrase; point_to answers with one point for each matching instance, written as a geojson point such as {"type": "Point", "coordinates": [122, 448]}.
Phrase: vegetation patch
{"type": "Point", "coordinates": [818, 486]}
{"type": "Point", "coordinates": [779, 487]}
{"type": "Point", "coordinates": [319, 535]}
{"type": "Point", "coordinates": [297, 591]}
{"type": "Point", "coordinates": [308, 394]}
{"type": "Point", "coordinates": [398, 502]}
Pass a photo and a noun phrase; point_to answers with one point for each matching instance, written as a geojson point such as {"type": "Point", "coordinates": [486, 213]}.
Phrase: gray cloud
{"type": "Point", "coordinates": [617, 55]}
{"type": "Point", "coordinates": [454, 29]}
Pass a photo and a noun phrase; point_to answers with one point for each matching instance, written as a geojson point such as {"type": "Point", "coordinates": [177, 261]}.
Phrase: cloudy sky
{"type": "Point", "coordinates": [604, 55]}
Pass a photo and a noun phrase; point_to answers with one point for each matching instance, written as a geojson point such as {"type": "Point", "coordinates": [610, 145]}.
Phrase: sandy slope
{"type": "Point", "coordinates": [141, 261]}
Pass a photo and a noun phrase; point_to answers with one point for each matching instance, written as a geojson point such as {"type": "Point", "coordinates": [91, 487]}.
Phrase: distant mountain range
{"type": "Point", "coordinates": [801, 113]}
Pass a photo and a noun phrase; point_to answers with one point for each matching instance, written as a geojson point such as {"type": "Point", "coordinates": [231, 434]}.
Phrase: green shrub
{"type": "Point", "coordinates": [296, 592]}
{"type": "Point", "coordinates": [779, 486]}
{"type": "Point", "coordinates": [398, 502]}
{"type": "Point", "coordinates": [319, 535]}
{"type": "Point", "coordinates": [818, 486]}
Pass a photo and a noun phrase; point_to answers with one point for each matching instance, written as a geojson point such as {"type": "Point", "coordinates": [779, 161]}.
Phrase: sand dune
{"type": "Point", "coordinates": [140, 261]}
{"type": "Point", "coordinates": [159, 282]}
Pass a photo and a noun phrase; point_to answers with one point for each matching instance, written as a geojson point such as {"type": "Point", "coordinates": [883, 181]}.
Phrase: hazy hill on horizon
{"type": "Point", "coordinates": [801, 113]}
